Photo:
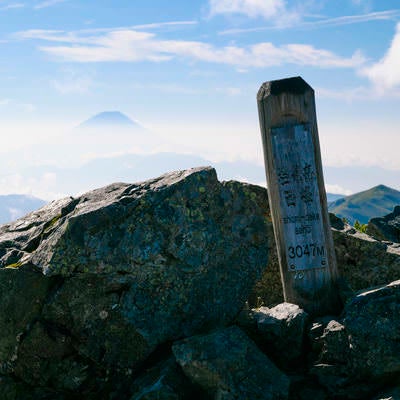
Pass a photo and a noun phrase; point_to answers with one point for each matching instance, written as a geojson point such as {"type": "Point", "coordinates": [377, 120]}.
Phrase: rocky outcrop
{"type": "Point", "coordinates": [355, 355]}
{"type": "Point", "coordinates": [228, 365]}
{"type": "Point", "coordinates": [387, 227]}
{"type": "Point", "coordinates": [361, 352]}
{"type": "Point", "coordinates": [93, 286]}
{"type": "Point", "coordinates": [138, 292]}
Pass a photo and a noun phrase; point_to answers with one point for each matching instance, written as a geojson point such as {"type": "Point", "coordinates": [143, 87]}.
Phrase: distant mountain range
{"type": "Point", "coordinates": [13, 206]}
{"type": "Point", "coordinates": [111, 147]}
{"type": "Point", "coordinates": [375, 202]}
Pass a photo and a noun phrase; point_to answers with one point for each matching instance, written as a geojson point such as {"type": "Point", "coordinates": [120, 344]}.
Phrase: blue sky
{"type": "Point", "coordinates": [190, 71]}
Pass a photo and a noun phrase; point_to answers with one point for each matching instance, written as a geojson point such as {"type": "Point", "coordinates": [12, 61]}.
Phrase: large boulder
{"type": "Point", "coordinates": [361, 352]}
{"type": "Point", "coordinates": [93, 285]}
{"type": "Point", "coordinates": [282, 330]}
{"type": "Point", "coordinates": [387, 227]}
{"type": "Point", "coordinates": [365, 262]}
{"type": "Point", "coordinates": [228, 365]}
{"type": "Point", "coordinates": [22, 297]}
{"type": "Point", "coordinates": [165, 381]}
{"type": "Point", "coordinates": [389, 394]}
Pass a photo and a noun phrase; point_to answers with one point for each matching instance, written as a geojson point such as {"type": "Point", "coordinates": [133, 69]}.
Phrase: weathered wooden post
{"type": "Point", "coordinates": [297, 195]}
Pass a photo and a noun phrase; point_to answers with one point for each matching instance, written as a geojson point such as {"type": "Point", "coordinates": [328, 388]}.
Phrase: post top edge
{"type": "Point", "coordinates": [294, 85]}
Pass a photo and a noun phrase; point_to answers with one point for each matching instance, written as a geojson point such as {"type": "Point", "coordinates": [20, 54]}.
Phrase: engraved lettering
{"type": "Point", "coordinates": [295, 167]}
{"type": "Point", "coordinates": [308, 173]}
{"type": "Point", "coordinates": [283, 176]}
{"type": "Point", "coordinates": [303, 229]}
{"type": "Point", "coordinates": [290, 198]}
{"type": "Point", "coordinates": [306, 195]}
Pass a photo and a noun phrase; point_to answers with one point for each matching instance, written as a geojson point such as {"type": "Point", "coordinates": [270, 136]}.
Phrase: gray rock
{"type": "Point", "coordinates": [228, 365]}
{"type": "Point", "coordinates": [164, 381]}
{"type": "Point", "coordinates": [22, 295]}
{"type": "Point", "coordinates": [303, 387]}
{"type": "Point", "coordinates": [316, 332]}
{"type": "Point", "coordinates": [361, 353]}
{"type": "Point", "coordinates": [282, 328]}
{"type": "Point", "coordinates": [387, 227]}
{"type": "Point", "coordinates": [8, 388]}
{"type": "Point", "coordinates": [389, 394]}
{"type": "Point", "coordinates": [364, 262]}
{"type": "Point", "coordinates": [92, 286]}
{"type": "Point", "coordinates": [46, 359]}
{"type": "Point", "coordinates": [372, 320]}
{"type": "Point", "coordinates": [336, 222]}
{"type": "Point", "coordinates": [11, 389]}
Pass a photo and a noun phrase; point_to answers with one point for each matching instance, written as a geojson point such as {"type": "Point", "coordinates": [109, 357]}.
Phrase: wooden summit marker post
{"type": "Point", "coordinates": [297, 195]}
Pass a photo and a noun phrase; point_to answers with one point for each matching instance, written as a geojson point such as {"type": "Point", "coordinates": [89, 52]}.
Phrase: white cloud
{"type": "Point", "coordinates": [252, 8]}
{"type": "Point", "coordinates": [231, 91]}
{"type": "Point", "coordinates": [135, 46]}
{"type": "Point", "coordinates": [158, 25]}
{"type": "Point", "coordinates": [348, 94]}
{"type": "Point", "coordinates": [385, 74]}
{"type": "Point", "coordinates": [169, 88]}
{"type": "Point", "coordinates": [12, 6]}
{"type": "Point", "coordinates": [360, 142]}
{"type": "Point", "coordinates": [43, 187]}
{"type": "Point", "coordinates": [369, 93]}
{"type": "Point", "coordinates": [48, 3]}
{"type": "Point", "coordinates": [72, 81]}
{"type": "Point", "coordinates": [27, 107]}
{"type": "Point", "coordinates": [15, 213]}
{"type": "Point", "coordinates": [337, 189]}
{"type": "Point", "coordinates": [321, 22]}
{"type": "Point", "coordinates": [365, 5]}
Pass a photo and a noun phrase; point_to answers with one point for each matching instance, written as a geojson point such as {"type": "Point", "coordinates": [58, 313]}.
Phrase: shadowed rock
{"type": "Point", "coordinates": [228, 365]}
{"type": "Point", "coordinates": [361, 352]}
{"type": "Point", "coordinates": [102, 280]}
{"type": "Point", "coordinates": [387, 227]}
{"type": "Point", "coordinates": [282, 328]}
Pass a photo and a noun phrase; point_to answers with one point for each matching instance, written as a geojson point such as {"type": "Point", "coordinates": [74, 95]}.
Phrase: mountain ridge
{"type": "Point", "coordinates": [362, 206]}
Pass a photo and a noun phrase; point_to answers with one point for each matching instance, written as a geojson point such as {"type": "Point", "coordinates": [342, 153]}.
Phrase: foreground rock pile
{"type": "Point", "coordinates": [387, 227]}
{"type": "Point", "coordinates": [139, 292]}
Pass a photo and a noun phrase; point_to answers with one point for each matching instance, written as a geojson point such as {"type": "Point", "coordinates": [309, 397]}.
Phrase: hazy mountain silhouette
{"type": "Point", "coordinates": [13, 206]}
{"type": "Point", "coordinates": [138, 167]}
{"type": "Point", "coordinates": [375, 202]}
{"type": "Point", "coordinates": [109, 119]}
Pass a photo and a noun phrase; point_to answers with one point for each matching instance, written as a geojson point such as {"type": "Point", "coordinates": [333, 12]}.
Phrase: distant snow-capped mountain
{"type": "Point", "coordinates": [109, 119]}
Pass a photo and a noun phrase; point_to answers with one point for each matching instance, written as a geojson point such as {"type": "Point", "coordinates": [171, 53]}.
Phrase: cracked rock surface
{"type": "Point", "coordinates": [91, 287]}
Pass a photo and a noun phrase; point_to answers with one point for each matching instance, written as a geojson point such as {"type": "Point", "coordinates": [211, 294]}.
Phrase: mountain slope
{"type": "Point", "coordinates": [331, 197]}
{"type": "Point", "coordinates": [109, 118]}
{"type": "Point", "coordinates": [13, 206]}
{"type": "Point", "coordinates": [375, 202]}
